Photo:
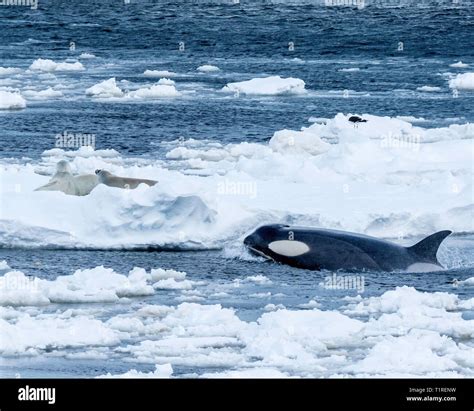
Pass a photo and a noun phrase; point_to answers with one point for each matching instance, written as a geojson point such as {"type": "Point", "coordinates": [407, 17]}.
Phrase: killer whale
{"type": "Point", "coordinates": [324, 249]}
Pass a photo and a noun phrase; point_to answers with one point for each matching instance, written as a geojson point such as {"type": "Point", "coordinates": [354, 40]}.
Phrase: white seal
{"type": "Point", "coordinates": [64, 181]}
{"type": "Point", "coordinates": [107, 178]}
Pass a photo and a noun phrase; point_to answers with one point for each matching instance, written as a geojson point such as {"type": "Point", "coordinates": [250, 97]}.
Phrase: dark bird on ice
{"type": "Point", "coordinates": [356, 120]}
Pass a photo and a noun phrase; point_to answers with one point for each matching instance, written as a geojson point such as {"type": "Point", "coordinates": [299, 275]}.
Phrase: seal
{"type": "Point", "coordinates": [321, 249]}
{"type": "Point", "coordinates": [111, 180]}
{"type": "Point", "coordinates": [63, 180]}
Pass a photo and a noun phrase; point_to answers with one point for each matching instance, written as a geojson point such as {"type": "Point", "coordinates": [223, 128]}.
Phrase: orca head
{"type": "Point", "coordinates": [275, 242]}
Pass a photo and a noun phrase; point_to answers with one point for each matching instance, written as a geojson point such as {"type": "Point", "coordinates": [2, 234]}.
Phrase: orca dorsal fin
{"type": "Point", "coordinates": [427, 248]}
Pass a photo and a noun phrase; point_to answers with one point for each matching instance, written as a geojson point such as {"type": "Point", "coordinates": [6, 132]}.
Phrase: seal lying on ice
{"type": "Point", "coordinates": [64, 181]}
{"type": "Point", "coordinates": [107, 178]}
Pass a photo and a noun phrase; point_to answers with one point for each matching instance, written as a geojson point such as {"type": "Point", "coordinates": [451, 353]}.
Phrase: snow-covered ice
{"type": "Point", "coordinates": [222, 190]}
{"type": "Point", "coordinates": [463, 81]}
{"type": "Point", "coordinates": [155, 91]}
{"type": "Point", "coordinates": [105, 89]}
{"type": "Point", "coordinates": [207, 68]}
{"type": "Point", "coordinates": [11, 101]}
{"type": "Point", "coordinates": [87, 56]}
{"type": "Point", "coordinates": [403, 332]}
{"type": "Point", "coordinates": [267, 86]}
{"type": "Point", "coordinates": [459, 64]}
{"type": "Point", "coordinates": [7, 71]}
{"type": "Point", "coordinates": [45, 94]}
{"type": "Point", "coordinates": [159, 73]}
{"type": "Point", "coordinates": [429, 88]}
{"type": "Point", "coordinates": [52, 66]}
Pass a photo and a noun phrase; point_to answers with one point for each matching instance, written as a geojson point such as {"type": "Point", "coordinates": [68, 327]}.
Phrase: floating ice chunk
{"type": "Point", "coordinates": [44, 65]}
{"type": "Point", "coordinates": [416, 353]}
{"type": "Point", "coordinates": [248, 373]}
{"type": "Point", "coordinates": [261, 295]}
{"type": "Point", "coordinates": [258, 279]}
{"type": "Point", "coordinates": [84, 152]}
{"type": "Point", "coordinates": [105, 89]}
{"type": "Point", "coordinates": [161, 371]}
{"type": "Point", "coordinates": [467, 282]}
{"type": "Point", "coordinates": [6, 71]}
{"type": "Point", "coordinates": [87, 56]}
{"type": "Point", "coordinates": [50, 65]}
{"type": "Point", "coordinates": [310, 304]}
{"type": "Point", "coordinates": [30, 335]}
{"type": "Point", "coordinates": [286, 336]}
{"type": "Point", "coordinates": [155, 91]}
{"type": "Point", "coordinates": [350, 69]}
{"type": "Point", "coordinates": [459, 64]}
{"type": "Point", "coordinates": [18, 289]}
{"type": "Point", "coordinates": [159, 73]}
{"type": "Point", "coordinates": [166, 82]}
{"type": "Point", "coordinates": [48, 93]}
{"type": "Point", "coordinates": [189, 298]}
{"type": "Point", "coordinates": [94, 285]}
{"type": "Point", "coordinates": [273, 307]}
{"type": "Point", "coordinates": [172, 284]}
{"type": "Point", "coordinates": [428, 89]}
{"type": "Point", "coordinates": [268, 86]}
{"type": "Point", "coordinates": [207, 68]}
{"type": "Point", "coordinates": [402, 297]}
{"type": "Point", "coordinates": [412, 337]}
{"type": "Point", "coordinates": [298, 60]}
{"type": "Point", "coordinates": [463, 81]}
{"type": "Point", "coordinates": [160, 274]}
{"type": "Point", "coordinates": [11, 101]}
